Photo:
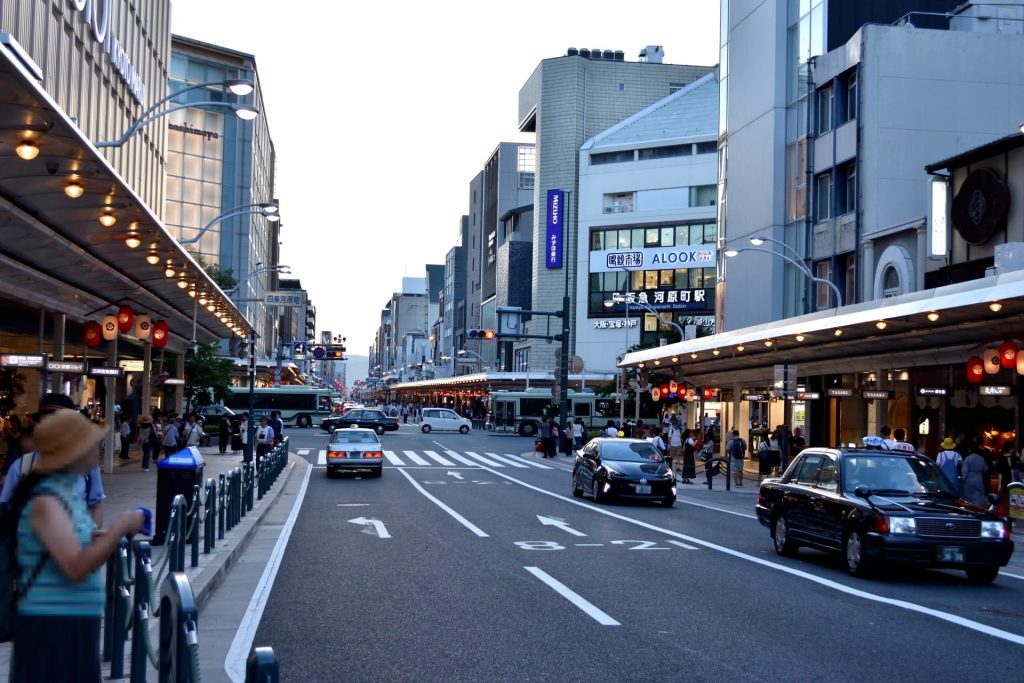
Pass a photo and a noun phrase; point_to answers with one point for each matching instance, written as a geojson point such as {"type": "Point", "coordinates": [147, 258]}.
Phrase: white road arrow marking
{"type": "Point", "coordinates": [377, 525]}
{"type": "Point", "coordinates": [455, 474]}
{"type": "Point", "coordinates": [552, 521]}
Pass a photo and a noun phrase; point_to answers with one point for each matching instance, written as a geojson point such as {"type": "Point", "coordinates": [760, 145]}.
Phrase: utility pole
{"type": "Point", "coordinates": [251, 428]}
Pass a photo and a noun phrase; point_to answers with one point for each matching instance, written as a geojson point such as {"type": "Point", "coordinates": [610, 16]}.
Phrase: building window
{"type": "Point", "coordinates": [825, 97]}
{"type": "Point", "coordinates": [846, 201]}
{"type": "Point", "coordinates": [891, 283]}
{"type": "Point", "coordinates": [527, 167]}
{"type": "Point", "coordinates": [823, 196]}
{"type": "Point", "coordinates": [850, 291]}
{"type": "Point", "coordinates": [850, 110]}
{"type": "Point", "coordinates": [823, 270]}
{"type": "Point", "coordinates": [703, 195]}
{"type": "Point", "coordinates": [707, 147]}
{"type": "Point", "coordinates": [666, 152]}
{"type": "Point", "coordinates": [612, 157]}
{"type": "Point", "coordinates": [618, 202]}
{"type": "Point", "coordinates": [675, 87]}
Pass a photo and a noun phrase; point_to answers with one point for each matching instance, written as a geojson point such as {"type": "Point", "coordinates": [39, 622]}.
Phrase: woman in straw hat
{"type": "Point", "coordinates": [59, 557]}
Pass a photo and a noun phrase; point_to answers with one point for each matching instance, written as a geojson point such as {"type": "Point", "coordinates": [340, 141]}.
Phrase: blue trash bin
{"type": "Point", "coordinates": [175, 474]}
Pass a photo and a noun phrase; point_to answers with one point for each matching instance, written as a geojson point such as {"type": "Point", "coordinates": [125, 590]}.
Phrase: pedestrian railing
{"type": "Point", "coordinates": [131, 598]}
{"type": "Point", "coordinates": [715, 466]}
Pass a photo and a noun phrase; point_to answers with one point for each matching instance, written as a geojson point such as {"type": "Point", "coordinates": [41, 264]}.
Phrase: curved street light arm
{"type": "Point", "coordinates": [150, 117]}
{"type": "Point", "coordinates": [227, 214]}
{"type": "Point", "coordinates": [803, 268]}
{"type": "Point", "coordinates": [780, 243]}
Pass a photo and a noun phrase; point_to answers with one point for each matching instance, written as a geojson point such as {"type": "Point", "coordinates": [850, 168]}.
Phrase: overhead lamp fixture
{"type": "Point", "coordinates": [693, 355]}
{"type": "Point", "coordinates": [881, 324]}
{"type": "Point", "coordinates": [270, 207]}
{"type": "Point", "coordinates": [211, 307]}
{"type": "Point", "coordinates": [107, 218]}
{"type": "Point", "coordinates": [731, 252]}
{"type": "Point", "coordinates": [740, 347]}
{"type": "Point", "coordinates": [768, 343]}
{"type": "Point", "coordinates": [640, 365]}
{"type": "Point", "coordinates": [800, 337]}
{"type": "Point", "coordinates": [838, 332]}
{"type": "Point", "coordinates": [27, 150]}
{"type": "Point", "coordinates": [715, 352]}
{"type": "Point", "coordinates": [757, 240]}
{"type": "Point", "coordinates": [272, 217]}
{"type": "Point", "coordinates": [152, 258]}
{"type": "Point", "coordinates": [132, 241]}
{"type": "Point", "coordinates": [74, 189]}
{"type": "Point", "coordinates": [246, 112]}
{"type": "Point", "coordinates": [933, 316]}
{"type": "Point", "coordinates": [202, 300]}
{"type": "Point", "coordinates": [192, 291]}
{"type": "Point", "coordinates": [995, 307]}
{"type": "Point", "coordinates": [657, 361]}
{"type": "Point", "coordinates": [239, 86]}
{"type": "Point", "coordinates": [182, 282]}
{"type": "Point", "coordinates": [675, 359]}
{"type": "Point", "coordinates": [169, 268]}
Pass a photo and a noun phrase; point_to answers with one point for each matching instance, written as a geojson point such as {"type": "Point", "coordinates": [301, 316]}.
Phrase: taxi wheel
{"type": "Point", "coordinates": [463, 429]}
{"type": "Point", "coordinates": [577, 487]}
{"type": "Point", "coordinates": [425, 429]}
{"type": "Point", "coordinates": [856, 563]}
{"type": "Point", "coordinates": [784, 545]}
{"type": "Point", "coordinates": [378, 472]}
{"type": "Point", "coordinates": [379, 429]}
{"type": "Point", "coordinates": [982, 574]}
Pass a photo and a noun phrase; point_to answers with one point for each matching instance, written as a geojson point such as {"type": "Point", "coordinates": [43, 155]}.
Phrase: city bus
{"type": "Point", "coordinates": [300, 406]}
{"type": "Point", "coordinates": [522, 411]}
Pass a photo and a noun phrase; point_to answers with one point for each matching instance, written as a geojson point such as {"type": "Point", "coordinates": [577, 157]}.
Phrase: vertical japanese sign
{"type": "Point", "coordinates": [553, 246]}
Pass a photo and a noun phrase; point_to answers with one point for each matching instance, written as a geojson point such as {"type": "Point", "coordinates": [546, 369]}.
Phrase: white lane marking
{"type": "Point", "coordinates": [687, 546]}
{"type": "Point", "coordinates": [477, 456]}
{"type": "Point", "coordinates": [717, 509]}
{"type": "Point", "coordinates": [321, 459]}
{"type": "Point", "coordinates": [464, 461]}
{"type": "Point", "coordinates": [415, 458]}
{"type": "Point", "coordinates": [560, 524]}
{"type": "Point", "coordinates": [434, 456]}
{"type": "Point", "coordinates": [378, 526]}
{"type": "Point", "coordinates": [458, 518]}
{"type": "Point", "coordinates": [572, 596]}
{"type": "Point", "coordinates": [234, 663]}
{"type": "Point", "coordinates": [456, 475]}
{"type": "Point", "coordinates": [303, 451]}
{"type": "Point", "coordinates": [508, 461]}
{"type": "Point", "coordinates": [589, 545]}
{"type": "Point", "coordinates": [353, 505]}
{"type": "Point", "coordinates": [827, 583]}
{"type": "Point", "coordinates": [1012, 576]}
{"type": "Point", "coordinates": [528, 461]}
{"type": "Point", "coordinates": [393, 459]}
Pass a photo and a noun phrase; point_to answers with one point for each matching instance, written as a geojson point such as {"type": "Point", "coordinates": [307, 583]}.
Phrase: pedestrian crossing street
{"type": "Point", "coordinates": [444, 459]}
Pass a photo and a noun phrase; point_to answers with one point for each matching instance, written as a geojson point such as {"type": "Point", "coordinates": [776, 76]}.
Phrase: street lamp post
{"type": "Point", "coordinates": [626, 298]}
{"type": "Point", "coordinates": [800, 265]}
{"type": "Point", "coordinates": [270, 210]}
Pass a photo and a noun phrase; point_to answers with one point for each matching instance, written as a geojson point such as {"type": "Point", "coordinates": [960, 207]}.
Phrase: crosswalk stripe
{"type": "Point", "coordinates": [415, 458]}
{"type": "Point", "coordinates": [508, 461]}
{"type": "Point", "coordinates": [435, 456]}
{"type": "Point", "coordinates": [303, 451]}
{"type": "Point", "coordinates": [322, 458]}
{"type": "Point", "coordinates": [465, 461]}
{"type": "Point", "coordinates": [528, 461]}
{"type": "Point", "coordinates": [392, 458]}
{"type": "Point", "coordinates": [490, 463]}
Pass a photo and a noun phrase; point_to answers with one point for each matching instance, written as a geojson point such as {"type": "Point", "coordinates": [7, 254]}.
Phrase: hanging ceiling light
{"type": "Point", "coordinates": [27, 150]}
{"type": "Point", "coordinates": [182, 282]}
{"type": "Point", "coordinates": [202, 299]}
{"type": "Point", "coordinates": [881, 324]}
{"type": "Point", "coordinates": [211, 307]}
{"type": "Point", "coordinates": [169, 268]}
{"type": "Point", "coordinates": [995, 307]}
{"type": "Point", "coordinates": [838, 332]}
{"type": "Point", "coordinates": [192, 291]}
{"type": "Point", "coordinates": [933, 316]}
{"type": "Point", "coordinates": [74, 189]}
{"type": "Point", "coordinates": [768, 343]}
{"type": "Point", "coordinates": [740, 347]}
{"type": "Point", "coordinates": [107, 218]}
{"type": "Point", "coordinates": [800, 337]}
{"type": "Point", "coordinates": [715, 352]}
{"type": "Point", "coordinates": [693, 355]}
{"type": "Point", "coordinates": [152, 258]}
{"type": "Point", "coordinates": [675, 359]}
{"type": "Point", "coordinates": [133, 240]}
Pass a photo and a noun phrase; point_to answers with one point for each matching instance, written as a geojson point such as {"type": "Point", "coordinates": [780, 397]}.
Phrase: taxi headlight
{"type": "Point", "coordinates": [902, 525]}
{"type": "Point", "coordinates": [993, 529]}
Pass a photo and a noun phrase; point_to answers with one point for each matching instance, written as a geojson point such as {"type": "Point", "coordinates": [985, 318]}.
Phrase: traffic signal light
{"type": "Point", "coordinates": [486, 335]}
{"type": "Point", "coordinates": [336, 352]}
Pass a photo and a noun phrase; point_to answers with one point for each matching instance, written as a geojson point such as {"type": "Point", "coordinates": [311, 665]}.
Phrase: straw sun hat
{"type": "Point", "coordinates": [948, 444]}
{"type": "Point", "coordinates": [63, 438]}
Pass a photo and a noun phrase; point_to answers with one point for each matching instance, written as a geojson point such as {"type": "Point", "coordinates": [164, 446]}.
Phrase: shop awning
{"type": "Point", "coordinates": [55, 254]}
{"type": "Point", "coordinates": [591, 378]}
{"type": "Point", "coordinates": [890, 333]}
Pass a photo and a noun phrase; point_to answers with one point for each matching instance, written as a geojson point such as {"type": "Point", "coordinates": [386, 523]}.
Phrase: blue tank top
{"type": "Point", "coordinates": [52, 593]}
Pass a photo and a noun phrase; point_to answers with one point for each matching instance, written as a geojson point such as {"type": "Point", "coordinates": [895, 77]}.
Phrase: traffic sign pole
{"type": "Point", "coordinates": [251, 426]}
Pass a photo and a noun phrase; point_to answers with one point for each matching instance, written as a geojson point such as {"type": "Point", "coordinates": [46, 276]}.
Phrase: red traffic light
{"type": "Point", "coordinates": [487, 334]}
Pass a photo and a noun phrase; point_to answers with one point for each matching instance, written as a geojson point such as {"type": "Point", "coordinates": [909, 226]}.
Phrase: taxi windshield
{"type": "Point", "coordinates": [345, 436]}
{"type": "Point", "coordinates": [895, 476]}
{"type": "Point", "coordinates": [630, 452]}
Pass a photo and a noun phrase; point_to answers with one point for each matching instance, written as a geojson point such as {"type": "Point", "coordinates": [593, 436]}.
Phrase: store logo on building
{"type": "Point", "coordinates": [97, 14]}
{"type": "Point", "coordinates": [654, 258]}
{"type": "Point", "coordinates": [189, 130]}
{"type": "Point", "coordinates": [555, 233]}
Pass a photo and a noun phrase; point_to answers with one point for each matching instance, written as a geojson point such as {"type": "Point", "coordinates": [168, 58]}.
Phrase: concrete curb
{"type": "Point", "coordinates": [207, 579]}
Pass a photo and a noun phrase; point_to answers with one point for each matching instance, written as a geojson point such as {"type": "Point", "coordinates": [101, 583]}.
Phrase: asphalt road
{"type": "Point", "coordinates": [468, 571]}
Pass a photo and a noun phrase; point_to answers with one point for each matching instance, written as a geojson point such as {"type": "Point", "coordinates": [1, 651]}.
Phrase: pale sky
{"type": "Point", "coordinates": [382, 112]}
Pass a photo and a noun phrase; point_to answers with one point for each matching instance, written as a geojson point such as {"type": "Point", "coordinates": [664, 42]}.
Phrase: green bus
{"type": "Point", "coordinates": [522, 411]}
{"type": "Point", "coordinates": [299, 406]}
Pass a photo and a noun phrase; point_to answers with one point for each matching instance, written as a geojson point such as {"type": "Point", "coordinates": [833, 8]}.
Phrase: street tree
{"type": "Point", "coordinates": [208, 377]}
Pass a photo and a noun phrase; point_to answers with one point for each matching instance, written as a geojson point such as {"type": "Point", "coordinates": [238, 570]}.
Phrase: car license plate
{"type": "Point", "coordinates": [950, 553]}
{"type": "Point", "coordinates": [643, 488]}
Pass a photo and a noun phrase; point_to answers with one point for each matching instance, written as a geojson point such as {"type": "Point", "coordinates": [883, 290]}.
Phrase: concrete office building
{"type": "Point", "coordinates": [767, 48]}
{"type": "Point", "coordinates": [453, 304]}
{"type": "Point", "coordinates": [217, 163]}
{"type": "Point", "coordinates": [647, 226]}
{"type": "Point", "coordinates": [566, 101]}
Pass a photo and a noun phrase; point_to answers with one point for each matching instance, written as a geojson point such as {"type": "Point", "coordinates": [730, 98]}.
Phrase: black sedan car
{"type": "Point", "coordinates": [361, 417]}
{"type": "Point", "coordinates": [609, 468]}
{"type": "Point", "coordinates": [881, 506]}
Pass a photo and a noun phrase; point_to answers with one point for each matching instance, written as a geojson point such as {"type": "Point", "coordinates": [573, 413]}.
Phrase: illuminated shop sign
{"type": "Point", "coordinates": [68, 366]}
{"type": "Point", "coordinates": [555, 232]}
{"type": "Point", "coordinates": [97, 14]}
{"type": "Point", "coordinates": [615, 324]}
{"type": "Point", "coordinates": [993, 390]}
{"type": "Point", "coordinates": [664, 299]}
{"type": "Point", "coordinates": [932, 391]}
{"type": "Point", "coordinates": [877, 395]}
{"type": "Point", "coordinates": [654, 258]}
{"type": "Point", "coordinates": [840, 393]}
{"type": "Point", "coordinates": [104, 371]}
{"type": "Point", "coordinates": [21, 360]}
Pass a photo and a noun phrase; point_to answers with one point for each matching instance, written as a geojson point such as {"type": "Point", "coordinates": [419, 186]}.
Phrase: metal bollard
{"type": "Point", "coordinates": [140, 610]}
{"type": "Point", "coordinates": [196, 508]}
{"type": "Point", "coordinates": [116, 625]}
{"type": "Point", "coordinates": [245, 495]}
{"type": "Point", "coordinates": [261, 667]}
{"type": "Point", "coordinates": [210, 518]}
{"type": "Point", "coordinates": [250, 485]}
{"type": "Point", "coordinates": [179, 618]}
{"type": "Point", "coordinates": [176, 533]}
{"type": "Point", "coordinates": [108, 605]}
{"type": "Point", "coordinates": [221, 507]}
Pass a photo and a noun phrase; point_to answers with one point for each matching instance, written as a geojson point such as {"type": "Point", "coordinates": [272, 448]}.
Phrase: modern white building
{"type": "Point", "coordinates": [647, 226]}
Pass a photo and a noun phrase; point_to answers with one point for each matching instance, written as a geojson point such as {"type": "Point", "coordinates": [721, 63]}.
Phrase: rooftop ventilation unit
{"type": "Point", "coordinates": [652, 54]}
{"type": "Point", "coordinates": [585, 53]}
{"type": "Point", "coordinates": [620, 56]}
{"type": "Point", "coordinates": [571, 52]}
{"type": "Point", "coordinates": [608, 54]}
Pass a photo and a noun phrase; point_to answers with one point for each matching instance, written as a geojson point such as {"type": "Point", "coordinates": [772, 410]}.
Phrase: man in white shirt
{"type": "Point", "coordinates": [264, 440]}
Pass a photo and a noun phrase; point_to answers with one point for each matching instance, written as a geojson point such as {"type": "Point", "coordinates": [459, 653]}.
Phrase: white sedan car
{"type": "Point", "coordinates": [443, 419]}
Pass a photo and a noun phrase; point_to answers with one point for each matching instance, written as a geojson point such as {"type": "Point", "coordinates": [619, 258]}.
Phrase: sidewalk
{"type": "Point", "coordinates": [129, 487]}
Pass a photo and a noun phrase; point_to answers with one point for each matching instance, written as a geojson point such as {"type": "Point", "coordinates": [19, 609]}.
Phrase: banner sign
{"type": "Point", "coordinates": [807, 395]}
{"type": "Point", "coordinates": [69, 366]}
{"type": "Point", "coordinates": [840, 393]}
{"type": "Point", "coordinates": [698, 299]}
{"type": "Point", "coordinates": [654, 258]}
{"type": "Point", "coordinates": [553, 245]}
{"type": "Point", "coordinates": [104, 371]}
{"type": "Point", "coordinates": [994, 390]}
{"type": "Point", "coordinates": [932, 391]}
{"type": "Point", "coordinates": [21, 360]}
{"type": "Point", "coordinates": [755, 397]}
{"type": "Point", "coordinates": [874, 395]}
{"type": "Point", "coordinates": [132, 365]}
{"type": "Point", "coordinates": [286, 298]}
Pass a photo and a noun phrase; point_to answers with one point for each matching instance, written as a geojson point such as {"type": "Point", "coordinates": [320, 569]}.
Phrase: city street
{"type": "Point", "coordinates": [470, 560]}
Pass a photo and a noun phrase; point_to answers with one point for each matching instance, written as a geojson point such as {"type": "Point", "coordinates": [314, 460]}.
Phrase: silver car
{"type": "Point", "coordinates": [354, 449]}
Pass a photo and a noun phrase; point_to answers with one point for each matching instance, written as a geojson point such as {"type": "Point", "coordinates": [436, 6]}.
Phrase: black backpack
{"type": "Point", "coordinates": [737, 449]}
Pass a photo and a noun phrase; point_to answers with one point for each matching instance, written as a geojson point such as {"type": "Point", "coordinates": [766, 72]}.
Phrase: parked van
{"type": "Point", "coordinates": [443, 419]}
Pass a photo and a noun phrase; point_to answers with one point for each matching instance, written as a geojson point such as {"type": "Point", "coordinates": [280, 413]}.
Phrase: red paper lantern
{"type": "Point", "coordinates": [1008, 354]}
{"type": "Point", "coordinates": [92, 334]}
{"type": "Point", "coordinates": [160, 333]}
{"type": "Point", "coordinates": [125, 318]}
{"type": "Point", "coordinates": [664, 389]}
{"type": "Point", "coordinates": [655, 394]}
{"type": "Point", "coordinates": [673, 387]}
{"type": "Point", "coordinates": [975, 369]}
